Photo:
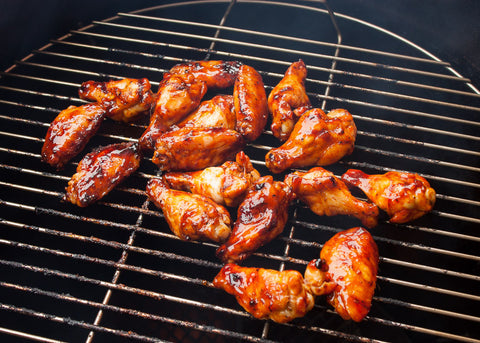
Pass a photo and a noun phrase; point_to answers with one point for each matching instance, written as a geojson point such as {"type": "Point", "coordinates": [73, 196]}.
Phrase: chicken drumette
{"type": "Point", "coordinates": [404, 196]}
{"type": "Point", "coordinates": [317, 139]}
{"type": "Point", "coordinates": [346, 272]}
{"type": "Point", "coordinates": [327, 195]}
{"type": "Point", "coordinates": [266, 293]}
{"type": "Point", "coordinates": [190, 216]}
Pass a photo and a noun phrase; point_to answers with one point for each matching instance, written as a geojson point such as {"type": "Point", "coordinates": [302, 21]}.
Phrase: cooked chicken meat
{"type": "Point", "coordinates": [190, 216]}
{"type": "Point", "coordinates": [100, 171]}
{"type": "Point", "coordinates": [266, 293]}
{"type": "Point", "coordinates": [404, 196]}
{"type": "Point", "coordinates": [124, 100]}
{"type": "Point", "coordinates": [346, 272]}
{"type": "Point", "coordinates": [260, 218]}
{"type": "Point", "coordinates": [226, 184]}
{"type": "Point", "coordinates": [317, 139]}
{"type": "Point", "coordinates": [288, 100]}
{"type": "Point", "coordinates": [250, 102]}
{"type": "Point", "coordinates": [69, 132]}
{"type": "Point", "coordinates": [327, 195]}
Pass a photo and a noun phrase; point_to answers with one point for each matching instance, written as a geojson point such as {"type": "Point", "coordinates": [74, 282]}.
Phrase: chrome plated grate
{"type": "Point", "coordinates": [115, 272]}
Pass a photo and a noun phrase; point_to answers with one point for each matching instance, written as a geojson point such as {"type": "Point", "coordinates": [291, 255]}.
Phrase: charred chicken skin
{"type": "Point", "coordinates": [404, 196]}
{"type": "Point", "coordinates": [69, 132]}
{"type": "Point", "coordinates": [226, 184]}
{"type": "Point", "coordinates": [125, 100]}
{"type": "Point", "coordinates": [346, 272]}
{"type": "Point", "coordinates": [317, 139]}
{"type": "Point", "coordinates": [266, 293]}
{"type": "Point", "coordinates": [100, 171]}
{"type": "Point", "coordinates": [192, 148]}
{"type": "Point", "coordinates": [260, 218]}
{"type": "Point", "coordinates": [190, 216]}
{"type": "Point", "coordinates": [250, 102]}
{"type": "Point", "coordinates": [288, 100]}
{"type": "Point", "coordinates": [327, 195]}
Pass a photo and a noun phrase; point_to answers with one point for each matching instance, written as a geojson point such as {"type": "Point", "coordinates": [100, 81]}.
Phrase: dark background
{"type": "Point", "coordinates": [450, 29]}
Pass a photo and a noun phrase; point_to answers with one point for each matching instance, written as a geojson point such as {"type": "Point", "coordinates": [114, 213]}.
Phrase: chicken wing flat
{"type": "Point", "coordinates": [176, 98]}
{"type": "Point", "coordinates": [260, 218]}
{"type": "Point", "coordinates": [216, 112]}
{"type": "Point", "coordinates": [317, 139]}
{"type": "Point", "coordinates": [190, 216]}
{"type": "Point", "coordinates": [288, 100]}
{"type": "Point", "coordinates": [226, 184]}
{"type": "Point", "coordinates": [404, 196]}
{"type": "Point", "coordinates": [325, 194]}
{"type": "Point", "coordinates": [124, 100]}
{"type": "Point", "coordinates": [192, 148]}
{"type": "Point", "coordinates": [250, 102]}
{"type": "Point", "coordinates": [266, 293]}
{"type": "Point", "coordinates": [346, 272]}
{"type": "Point", "coordinates": [100, 171]}
{"type": "Point", "coordinates": [69, 132]}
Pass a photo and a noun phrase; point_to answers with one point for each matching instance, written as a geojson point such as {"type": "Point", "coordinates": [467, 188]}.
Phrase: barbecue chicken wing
{"type": "Point", "coordinates": [327, 195]}
{"type": "Point", "coordinates": [288, 100]}
{"type": "Point", "coordinates": [125, 100]}
{"type": "Point", "coordinates": [190, 216]}
{"type": "Point", "coordinates": [266, 293]}
{"type": "Point", "coordinates": [346, 272]}
{"type": "Point", "coordinates": [192, 148]}
{"type": "Point", "coordinates": [176, 97]}
{"type": "Point", "coordinates": [404, 196]}
{"type": "Point", "coordinates": [250, 102]}
{"type": "Point", "coordinates": [100, 171]}
{"type": "Point", "coordinates": [260, 218]}
{"type": "Point", "coordinates": [226, 184]}
{"type": "Point", "coordinates": [317, 139]}
{"type": "Point", "coordinates": [69, 132]}
{"type": "Point", "coordinates": [216, 112]}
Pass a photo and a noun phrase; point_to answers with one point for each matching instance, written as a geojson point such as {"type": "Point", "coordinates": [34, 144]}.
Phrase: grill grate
{"type": "Point", "coordinates": [114, 271]}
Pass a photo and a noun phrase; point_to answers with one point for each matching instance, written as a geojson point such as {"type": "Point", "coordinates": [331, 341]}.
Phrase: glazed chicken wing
{"type": "Point", "coordinates": [288, 100]}
{"type": "Point", "coordinates": [226, 184]}
{"type": "Point", "coordinates": [266, 293]}
{"type": "Point", "coordinates": [404, 196]}
{"type": "Point", "coordinates": [100, 171]}
{"type": "Point", "coordinates": [125, 100]}
{"type": "Point", "coordinates": [327, 195]}
{"type": "Point", "coordinates": [69, 132]}
{"type": "Point", "coordinates": [192, 148]}
{"type": "Point", "coordinates": [250, 102]}
{"type": "Point", "coordinates": [317, 139]}
{"type": "Point", "coordinates": [260, 218]}
{"type": "Point", "coordinates": [190, 216]}
{"type": "Point", "coordinates": [346, 272]}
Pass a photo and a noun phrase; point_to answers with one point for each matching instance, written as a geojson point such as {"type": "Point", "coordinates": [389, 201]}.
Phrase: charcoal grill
{"type": "Point", "coordinates": [114, 272]}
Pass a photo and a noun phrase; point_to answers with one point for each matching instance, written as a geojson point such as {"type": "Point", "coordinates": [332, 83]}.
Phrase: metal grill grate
{"type": "Point", "coordinates": [114, 271]}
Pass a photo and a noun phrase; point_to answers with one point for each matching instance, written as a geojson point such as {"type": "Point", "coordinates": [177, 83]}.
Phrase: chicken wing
{"type": "Point", "coordinates": [266, 293]}
{"type": "Point", "coordinates": [327, 195]}
{"type": "Point", "coordinates": [317, 139]}
{"type": "Point", "coordinates": [404, 196]}
{"type": "Point", "coordinates": [69, 132]}
{"type": "Point", "coordinates": [260, 218]}
{"type": "Point", "coordinates": [190, 216]}
{"type": "Point", "coordinates": [226, 184]}
{"type": "Point", "coordinates": [250, 102]}
{"type": "Point", "coordinates": [176, 97]}
{"type": "Point", "coordinates": [192, 148]}
{"type": "Point", "coordinates": [100, 171]}
{"type": "Point", "coordinates": [288, 100]}
{"type": "Point", "coordinates": [346, 272]}
{"type": "Point", "coordinates": [216, 112]}
{"type": "Point", "coordinates": [125, 100]}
